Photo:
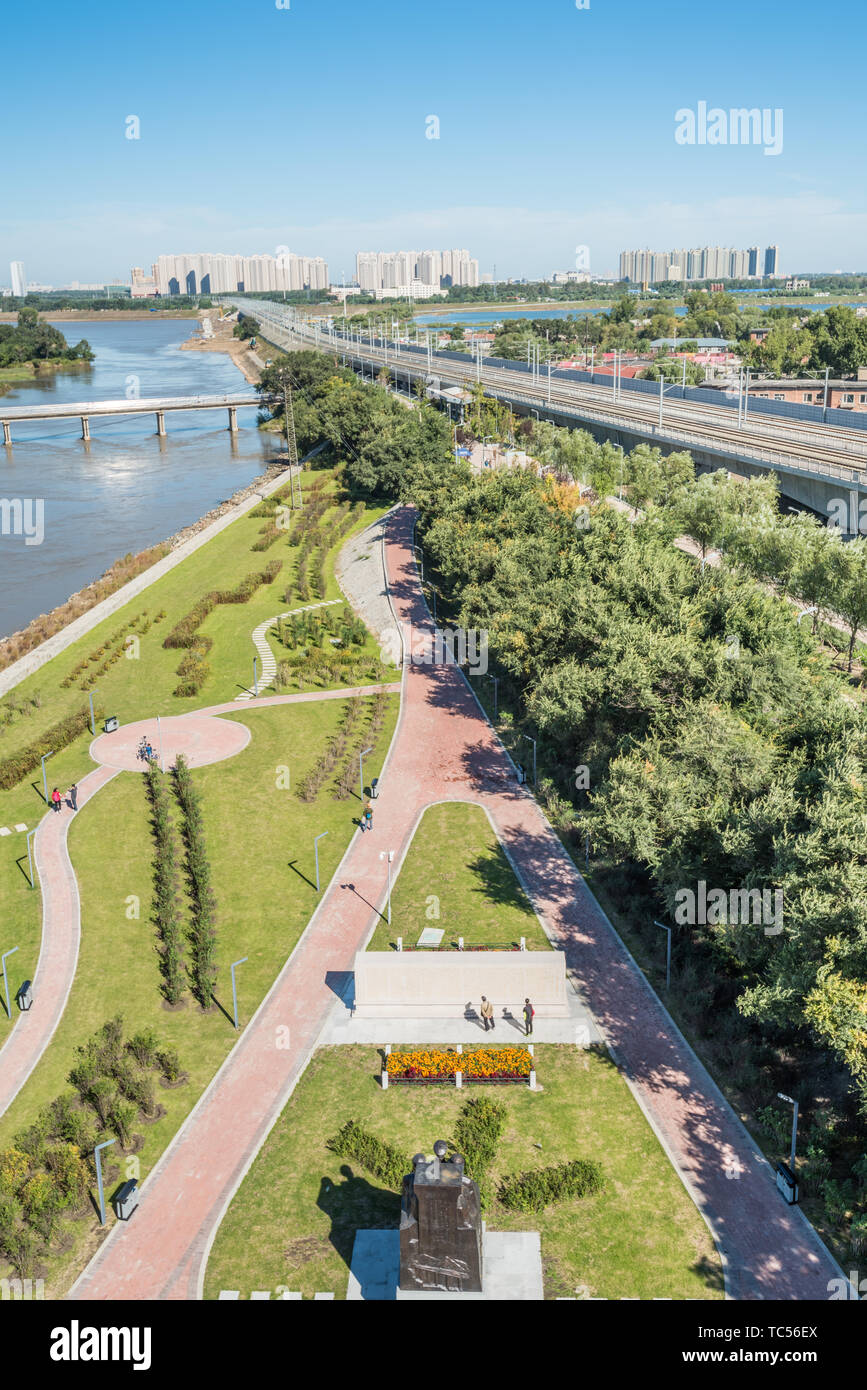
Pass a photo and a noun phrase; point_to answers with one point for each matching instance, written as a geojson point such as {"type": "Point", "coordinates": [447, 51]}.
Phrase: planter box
{"type": "Point", "coordinates": [467, 1080]}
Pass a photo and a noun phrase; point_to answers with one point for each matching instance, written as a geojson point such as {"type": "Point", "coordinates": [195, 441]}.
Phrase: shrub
{"type": "Point", "coordinates": [386, 1163]}
{"type": "Point", "coordinates": [17, 766]}
{"type": "Point", "coordinates": [170, 1064]}
{"type": "Point", "coordinates": [477, 1133]}
{"type": "Point", "coordinates": [534, 1190]}
{"type": "Point", "coordinates": [144, 1046]}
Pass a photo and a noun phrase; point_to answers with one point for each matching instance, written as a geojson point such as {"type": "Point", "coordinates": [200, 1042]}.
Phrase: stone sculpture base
{"type": "Point", "coordinates": [512, 1269]}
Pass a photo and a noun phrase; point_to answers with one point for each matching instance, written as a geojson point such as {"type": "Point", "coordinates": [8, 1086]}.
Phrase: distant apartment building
{"type": "Point", "coordinates": [143, 286]}
{"type": "Point", "coordinates": [567, 277]}
{"type": "Point", "coordinates": [699, 263]}
{"type": "Point", "coordinates": [229, 274]}
{"type": "Point", "coordinates": [388, 273]}
{"type": "Point", "coordinates": [844, 393]}
{"type": "Point", "coordinates": [19, 284]}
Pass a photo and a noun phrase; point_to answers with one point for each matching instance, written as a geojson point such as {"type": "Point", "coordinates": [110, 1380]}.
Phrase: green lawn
{"type": "Point", "coordinates": [137, 688]}
{"type": "Point", "coordinates": [255, 832]}
{"type": "Point", "coordinates": [456, 868]}
{"type": "Point", "coordinates": [293, 1220]}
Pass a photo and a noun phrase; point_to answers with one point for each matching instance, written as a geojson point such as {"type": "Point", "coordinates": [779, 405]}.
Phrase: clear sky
{"type": "Point", "coordinates": [306, 127]}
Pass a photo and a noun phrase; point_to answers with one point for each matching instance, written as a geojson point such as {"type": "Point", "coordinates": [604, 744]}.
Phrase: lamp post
{"type": "Point", "coordinates": [106, 1143]}
{"type": "Point", "coordinates": [388, 855]}
{"type": "Point", "coordinates": [530, 739]}
{"type": "Point", "coordinates": [362, 755]}
{"type": "Point", "coordinates": [44, 778]}
{"type": "Point", "coordinates": [794, 1105]}
{"type": "Point", "coordinates": [496, 680]}
{"type": "Point", "coordinates": [419, 550]}
{"type": "Point", "coordinates": [91, 694]}
{"type": "Point", "coordinates": [316, 852]}
{"type": "Point", "coordinates": [30, 835]}
{"type": "Point", "coordinates": [6, 981]}
{"type": "Point", "coordinates": [667, 953]}
{"type": "Point", "coordinates": [234, 988]}
{"type": "Point", "coordinates": [160, 737]}
{"type": "Point", "coordinates": [256, 675]}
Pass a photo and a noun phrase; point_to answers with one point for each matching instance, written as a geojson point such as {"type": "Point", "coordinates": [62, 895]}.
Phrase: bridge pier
{"type": "Point", "coordinates": [233, 419]}
{"type": "Point", "coordinates": [161, 424]}
{"type": "Point", "coordinates": [7, 434]}
{"type": "Point", "coordinates": [85, 427]}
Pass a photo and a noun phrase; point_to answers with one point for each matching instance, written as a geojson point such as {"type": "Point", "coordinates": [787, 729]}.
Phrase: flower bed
{"type": "Point", "coordinates": [435, 1065]}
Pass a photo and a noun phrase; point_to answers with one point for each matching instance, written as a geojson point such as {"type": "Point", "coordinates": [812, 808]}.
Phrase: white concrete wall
{"type": "Point", "coordinates": [444, 984]}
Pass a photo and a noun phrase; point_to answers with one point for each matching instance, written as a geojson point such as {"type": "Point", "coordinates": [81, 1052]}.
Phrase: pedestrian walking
{"type": "Point", "coordinates": [368, 816]}
{"type": "Point", "coordinates": [55, 799]}
{"type": "Point", "coordinates": [529, 1014]}
{"type": "Point", "coordinates": [487, 1013]}
{"type": "Point", "coordinates": [73, 796]}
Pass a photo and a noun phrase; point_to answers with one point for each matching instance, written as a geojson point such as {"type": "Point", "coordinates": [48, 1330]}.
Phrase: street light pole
{"type": "Point", "coordinates": [794, 1104]}
{"type": "Point", "coordinates": [256, 675]}
{"type": "Point", "coordinates": [667, 954]}
{"type": "Point", "coordinates": [96, 1153]}
{"type": "Point", "coordinates": [44, 778]}
{"type": "Point", "coordinates": [496, 680]}
{"type": "Point", "coordinates": [530, 739]}
{"type": "Point", "coordinates": [234, 988]}
{"type": "Point", "coordinates": [6, 981]}
{"type": "Point", "coordinates": [388, 855]}
{"type": "Point", "coordinates": [30, 835]}
{"type": "Point", "coordinates": [91, 694]}
{"type": "Point", "coordinates": [316, 852]}
{"type": "Point", "coordinates": [362, 755]}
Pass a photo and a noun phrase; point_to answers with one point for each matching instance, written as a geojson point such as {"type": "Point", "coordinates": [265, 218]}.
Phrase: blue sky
{"type": "Point", "coordinates": [306, 127]}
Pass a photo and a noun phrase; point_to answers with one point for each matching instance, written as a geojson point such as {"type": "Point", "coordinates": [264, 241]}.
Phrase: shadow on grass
{"type": "Point", "coordinates": [356, 1205]}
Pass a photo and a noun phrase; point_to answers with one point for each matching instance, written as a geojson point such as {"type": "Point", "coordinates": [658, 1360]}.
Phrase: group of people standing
{"type": "Point", "coordinates": [487, 1012]}
{"type": "Point", "coordinates": [71, 798]}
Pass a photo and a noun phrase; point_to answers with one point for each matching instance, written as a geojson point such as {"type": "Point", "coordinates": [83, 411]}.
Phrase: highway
{"type": "Point", "coordinates": [827, 453]}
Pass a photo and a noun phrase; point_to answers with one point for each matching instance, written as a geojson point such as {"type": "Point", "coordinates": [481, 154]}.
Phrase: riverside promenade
{"type": "Point", "coordinates": [445, 749]}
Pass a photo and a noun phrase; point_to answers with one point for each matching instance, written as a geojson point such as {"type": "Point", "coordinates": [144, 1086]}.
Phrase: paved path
{"type": "Point", "coordinates": [203, 739]}
{"type": "Point", "coordinates": [58, 956]}
{"type": "Point", "coordinates": [444, 749]}
{"type": "Point", "coordinates": [267, 660]}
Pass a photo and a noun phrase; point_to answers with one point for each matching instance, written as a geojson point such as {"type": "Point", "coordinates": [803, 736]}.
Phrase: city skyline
{"type": "Point", "coordinates": [142, 163]}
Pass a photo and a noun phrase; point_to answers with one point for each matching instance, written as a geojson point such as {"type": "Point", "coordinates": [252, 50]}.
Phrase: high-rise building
{"type": "Point", "coordinates": [226, 274]}
{"type": "Point", "coordinates": [19, 284]}
{"type": "Point", "coordinates": [394, 270]}
{"type": "Point", "coordinates": [699, 263]}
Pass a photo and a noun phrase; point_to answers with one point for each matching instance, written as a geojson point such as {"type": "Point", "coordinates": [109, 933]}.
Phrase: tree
{"type": "Point", "coordinates": [848, 586]}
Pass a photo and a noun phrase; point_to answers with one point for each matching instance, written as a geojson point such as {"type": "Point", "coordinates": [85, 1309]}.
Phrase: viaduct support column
{"type": "Point", "coordinates": [85, 427]}
{"type": "Point", "coordinates": [161, 424]}
{"type": "Point", "coordinates": [7, 434]}
{"type": "Point", "coordinates": [233, 419]}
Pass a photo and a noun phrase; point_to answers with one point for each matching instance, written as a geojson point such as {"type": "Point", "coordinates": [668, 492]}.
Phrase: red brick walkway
{"type": "Point", "coordinates": [444, 749]}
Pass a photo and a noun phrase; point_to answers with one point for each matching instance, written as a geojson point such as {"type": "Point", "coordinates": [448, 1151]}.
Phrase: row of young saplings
{"type": "Point", "coordinates": [344, 747]}
{"type": "Point", "coordinates": [174, 940]}
{"type": "Point", "coordinates": [48, 1172]}
{"type": "Point", "coordinates": [111, 650]}
{"type": "Point", "coordinates": [274, 507]}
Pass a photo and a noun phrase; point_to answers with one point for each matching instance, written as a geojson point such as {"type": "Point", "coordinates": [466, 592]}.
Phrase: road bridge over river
{"type": "Point", "coordinates": [160, 406]}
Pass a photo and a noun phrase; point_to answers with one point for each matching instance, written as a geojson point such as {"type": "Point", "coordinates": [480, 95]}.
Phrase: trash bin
{"type": "Point", "coordinates": [25, 996]}
{"type": "Point", "coordinates": [787, 1183]}
{"type": "Point", "coordinates": [111, 724]}
{"type": "Point", "coordinates": [126, 1200]}
{"type": "Point", "coordinates": [374, 788]}
{"type": "Point", "coordinates": [522, 776]}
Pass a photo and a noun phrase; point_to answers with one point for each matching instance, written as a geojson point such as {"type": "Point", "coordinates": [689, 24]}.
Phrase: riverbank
{"type": "Point", "coordinates": [242, 355]}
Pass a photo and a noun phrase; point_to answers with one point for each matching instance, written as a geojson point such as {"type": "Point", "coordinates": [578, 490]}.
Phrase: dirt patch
{"type": "Point", "coordinates": [305, 1249]}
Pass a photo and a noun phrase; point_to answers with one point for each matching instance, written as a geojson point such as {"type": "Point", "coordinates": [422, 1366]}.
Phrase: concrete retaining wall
{"type": "Point", "coordinates": [449, 984]}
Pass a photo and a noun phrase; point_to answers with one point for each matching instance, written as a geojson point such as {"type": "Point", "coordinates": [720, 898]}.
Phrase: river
{"type": "Point", "coordinates": [125, 489]}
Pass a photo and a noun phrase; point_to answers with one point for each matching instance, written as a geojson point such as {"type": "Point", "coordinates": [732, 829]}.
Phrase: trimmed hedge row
{"type": "Point", "coordinates": [17, 766]}
{"type": "Point", "coordinates": [538, 1188]}
{"type": "Point", "coordinates": [386, 1163]}
{"type": "Point", "coordinates": [183, 634]}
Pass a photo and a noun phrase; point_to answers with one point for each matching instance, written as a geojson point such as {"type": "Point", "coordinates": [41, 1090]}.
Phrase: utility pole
{"type": "Point", "coordinates": [291, 444]}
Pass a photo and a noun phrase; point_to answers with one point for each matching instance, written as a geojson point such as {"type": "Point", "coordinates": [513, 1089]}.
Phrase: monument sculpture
{"type": "Point", "coordinates": [440, 1226]}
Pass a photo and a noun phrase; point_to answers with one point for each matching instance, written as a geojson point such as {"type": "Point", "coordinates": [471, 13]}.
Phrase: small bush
{"type": "Point", "coordinates": [533, 1191]}
{"type": "Point", "coordinates": [386, 1163]}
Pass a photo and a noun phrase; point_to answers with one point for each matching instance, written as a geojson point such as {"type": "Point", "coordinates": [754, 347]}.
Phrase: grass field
{"type": "Point", "coordinates": [137, 688]}
{"type": "Point", "coordinates": [255, 832]}
{"type": "Point", "coordinates": [456, 877]}
{"type": "Point", "coordinates": [293, 1220]}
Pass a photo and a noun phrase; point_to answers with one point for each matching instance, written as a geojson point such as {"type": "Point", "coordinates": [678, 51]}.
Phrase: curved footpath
{"type": "Point", "coordinates": [444, 749]}
{"type": "Point", "coordinates": [203, 739]}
